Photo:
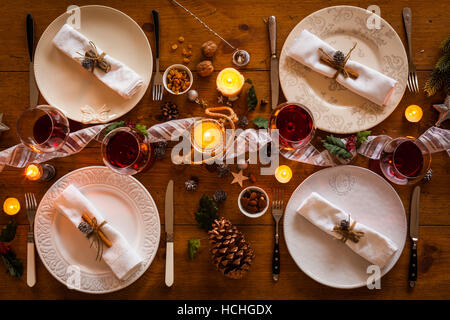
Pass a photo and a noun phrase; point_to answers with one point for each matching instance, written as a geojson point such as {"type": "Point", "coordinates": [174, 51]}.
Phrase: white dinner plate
{"type": "Point", "coordinates": [66, 85]}
{"type": "Point", "coordinates": [125, 204]}
{"type": "Point", "coordinates": [335, 108]}
{"type": "Point", "coordinates": [370, 200]}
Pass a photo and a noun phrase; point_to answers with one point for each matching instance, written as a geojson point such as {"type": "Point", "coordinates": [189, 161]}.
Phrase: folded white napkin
{"type": "Point", "coordinates": [120, 78]}
{"type": "Point", "coordinates": [373, 246]}
{"type": "Point", "coordinates": [120, 257]}
{"type": "Point", "coordinates": [370, 83]}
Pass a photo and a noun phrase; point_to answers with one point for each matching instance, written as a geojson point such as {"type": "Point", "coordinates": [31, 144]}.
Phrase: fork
{"type": "Point", "coordinates": [412, 83]}
{"type": "Point", "coordinates": [277, 213]}
{"type": "Point", "coordinates": [31, 205]}
{"type": "Point", "coordinates": [158, 88]}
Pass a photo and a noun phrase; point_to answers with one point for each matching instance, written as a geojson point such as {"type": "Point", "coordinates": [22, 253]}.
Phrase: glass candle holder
{"type": "Point", "coordinates": [413, 113]}
{"type": "Point", "coordinates": [283, 174]}
{"type": "Point", "coordinates": [126, 150]}
{"type": "Point", "coordinates": [11, 206]}
{"type": "Point", "coordinates": [43, 128]}
{"type": "Point", "coordinates": [208, 136]}
{"type": "Point", "coordinates": [295, 125]}
{"type": "Point", "coordinates": [405, 160]}
{"type": "Point", "coordinates": [230, 83]}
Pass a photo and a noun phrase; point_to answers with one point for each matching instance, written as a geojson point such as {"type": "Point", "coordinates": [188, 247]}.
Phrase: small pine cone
{"type": "Point", "coordinates": [220, 196]}
{"type": "Point", "coordinates": [230, 252]}
{"type": "Point", "coordinates": [88, 64]}
{"type": "Point", "coordinates": [159, 149]}
{"type": "Point", "coordinates": [85, 228]}
{"type": "Point", "coordinates": [339, 57]}
{"type": "Point", "coordinates": [191, 184]}
{"type": "Point", "coordinates": [169, 111]}
{"type": "Point", "coordinates": [243, 121]}
{"type": "Point", "coordinates": [223, 170]}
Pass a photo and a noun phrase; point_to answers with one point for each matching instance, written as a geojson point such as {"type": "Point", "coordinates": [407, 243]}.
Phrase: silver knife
{"type": "Point", "coordinates": [169, 234]}
{"type": "Point", "coordinates": [414, 234]}
{"type": "Point", "coordinates": [274, 81]}
{"type": "Point", "coordinates": [34, 91]}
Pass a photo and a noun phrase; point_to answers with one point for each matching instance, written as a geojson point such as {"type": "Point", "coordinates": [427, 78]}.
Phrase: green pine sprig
{"type": "Point", "coordinates": [193, 246]}
{"type": "Point", "coordinates": [252, 99]}
{"type": "Point", "coordinates": [440, 76]}
{"type": "Point", "coordinates": [361, 137]}
{"type": "Point", "coordinates": [206, 213]}
{"type": "Point", "coordinates": [336, 147]}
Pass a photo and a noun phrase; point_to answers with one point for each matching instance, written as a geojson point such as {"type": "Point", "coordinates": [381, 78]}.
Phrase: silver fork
{"type": "Point", "coordinates": [413, 83]}
{"type": "Point", "coordinates": [31, 204]}
{"type": "Point", "coordinates": [277, 213]}
{"type": "Point", "coordinates": [158, 88]}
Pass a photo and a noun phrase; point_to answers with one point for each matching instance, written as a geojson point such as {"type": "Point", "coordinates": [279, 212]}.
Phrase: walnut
{"type": "Point", "coordinates": [209, 49]}
{"type": "Point", "coordinates": [205, 68]}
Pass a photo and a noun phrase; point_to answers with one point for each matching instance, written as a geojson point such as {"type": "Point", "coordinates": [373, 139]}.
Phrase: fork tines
{"type": "Point", "coordinates": [277, 202]}
{"type": "Point", "coordinates": [30, 201]}
{"type": "Point", "coordinates": [412, 83]}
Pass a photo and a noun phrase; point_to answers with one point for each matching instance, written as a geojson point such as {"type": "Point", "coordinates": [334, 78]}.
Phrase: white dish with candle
{"type": "Point", "coordinates": [125, 204]}
{"type": "Point", "coordinates": [75, 91]}
{"type": "Point", "coordinates": [336, 109]}
{"type": "Point", "coordinates": [369, 199]}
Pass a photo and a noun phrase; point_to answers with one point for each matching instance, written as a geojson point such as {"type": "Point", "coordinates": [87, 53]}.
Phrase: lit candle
{"type": "Point", "coordinates": [208, 135]}
{"type": "Point", "coordinates": [11, 206]}
{"type": "Point", "coordinates": [413, 113]}
{"type": "Point", "coordinates": [230, 82]}
{"type": "Point", "coordinates": [283, 174]}
{"type": "Point", "coordinates": [33, 172]}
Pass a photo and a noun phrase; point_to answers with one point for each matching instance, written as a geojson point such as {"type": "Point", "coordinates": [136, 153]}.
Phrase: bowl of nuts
{"type": "Point", "coordinates": [177, 79]}
{"type": "Point", "coordinates": [253, 202]}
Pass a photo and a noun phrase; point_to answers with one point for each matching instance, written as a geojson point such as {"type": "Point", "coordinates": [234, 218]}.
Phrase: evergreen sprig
{"type": "Point", "coordinates": [440, 76]}
{"type": "Point", "coordinates": [206, 213]}
{"type": "Point", "coordinates": [336, 147]}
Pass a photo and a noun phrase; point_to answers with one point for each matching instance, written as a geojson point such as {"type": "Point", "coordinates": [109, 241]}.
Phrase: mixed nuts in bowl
{"type": "Point", "coordinates": [253, 202]}
{"type": "Point", "coordinates": [177, 79]}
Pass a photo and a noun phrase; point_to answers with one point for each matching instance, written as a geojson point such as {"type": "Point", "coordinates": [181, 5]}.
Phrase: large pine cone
{"type": "Point", "coordinates": [230, 252]}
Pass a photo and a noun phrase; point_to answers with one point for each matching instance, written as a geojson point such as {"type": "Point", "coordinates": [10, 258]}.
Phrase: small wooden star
{"type": "Point", "coordinates": [238, 177]}
{"type": "Point", "coordinates": [3, 127]}
{"type": "Point", "coordinates": [443, 110]}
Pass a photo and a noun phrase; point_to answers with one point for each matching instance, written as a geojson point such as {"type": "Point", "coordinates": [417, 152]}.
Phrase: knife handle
{"type": "Point", "coordinates": [156, 25]}
{"type": "Point", "coordinates": [30, 35]}
{"type": "Point", "coordinates": [273, 35]}
{"type": "Point", "coordinates": [413, 265]}
{"type": "Point", "coordinates": [31, 266]}
{"type": "Point", "coordinates": [169, 264]}
{"type": "Point", "coordinates": [276, 262]}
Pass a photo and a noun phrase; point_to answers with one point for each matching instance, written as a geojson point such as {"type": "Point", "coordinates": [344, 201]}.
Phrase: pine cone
{"type": "Point", "coordinates": [223, 170]}
{"type": "Point", "coordinates": [220, 196]}
{"type": "Point", "coordinates": [339, 57]}
{"type": "Point", "coordinates": [191, 184]}
{"type": "Point", "coordinates": [242, 121]}
{"type": "Point", "coordinates": [159, 149]}
{"type": "Point", "coordinates": [230, 252]}
{"type": "Point", "coordinates": [169, 111]}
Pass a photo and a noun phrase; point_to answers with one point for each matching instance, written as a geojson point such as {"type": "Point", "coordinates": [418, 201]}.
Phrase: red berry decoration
{"type": "Point", "coordinates": [351, 143]}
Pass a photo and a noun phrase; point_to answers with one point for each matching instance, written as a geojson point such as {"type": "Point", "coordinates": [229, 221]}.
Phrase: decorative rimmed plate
{"type": "Point", "coordinates": [65, 85]}
{"type": "Point", "coordinates": [125, 203]}
{"type": "Point", "coordinates": [335, 108]}
{"type": "Point", "coordinates": [370, 200]}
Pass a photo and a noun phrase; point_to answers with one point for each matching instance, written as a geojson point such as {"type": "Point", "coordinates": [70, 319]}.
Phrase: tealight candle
{"type": "Point", "coordinates": [283, 174]}
{"type": "Point", "coordinates": [208, 135]}
{"type": "Point", "coordinates": [230, 82]}
{"type": "Point", "coordinates": [413, 113]}
{"type": "Point", "coordinates": [33, 172]}
{"type": "Point", "coordinates": [11, 206]}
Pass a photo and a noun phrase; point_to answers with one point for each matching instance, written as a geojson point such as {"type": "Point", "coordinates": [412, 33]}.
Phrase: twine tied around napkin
{"type": "Point", "coordinates": [89, 227]}
{"type": "Point", "coordinates": [338, 62]}
{"type": "Point", "coordinates": [91, 59]}
{"type": "Point", "coordinates": [347, 232]}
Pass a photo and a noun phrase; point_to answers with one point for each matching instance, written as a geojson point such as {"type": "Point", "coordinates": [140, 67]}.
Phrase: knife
{"type": "Point", "coordinates": [169, 234]}
{"type": "Point", "coordinates": [414, 234]}
{"type": "Point", "coordinates": [34, 91]}
{"type": "Point", "coordinates": [274, 81]}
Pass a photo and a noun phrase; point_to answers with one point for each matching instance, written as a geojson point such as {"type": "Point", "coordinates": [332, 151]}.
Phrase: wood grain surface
{"type": "Point", "coordinates": [240, 22]}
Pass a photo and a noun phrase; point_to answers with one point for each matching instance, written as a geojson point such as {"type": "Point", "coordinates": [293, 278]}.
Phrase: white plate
{"type": "Point", "coordinates": [126, 205]}
{"type": "Point", "coordinates": [65, 85]}
{"type": "Point", "coordinates": [335, 108]}
{"type": "Point", "coordinates": [370, 200]}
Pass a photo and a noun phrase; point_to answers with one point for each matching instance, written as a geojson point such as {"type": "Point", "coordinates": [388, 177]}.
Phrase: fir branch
{"type": "Point", "coordinates": [206, 213]}
{"type": "Point", "coordinates": [193, 246]}
{"type": "Point", "coordinates": [252, 99]}
{"type": "Point", "coordinates": [8, 232]}
{"type": "Point", "coordinates": [336, 147]}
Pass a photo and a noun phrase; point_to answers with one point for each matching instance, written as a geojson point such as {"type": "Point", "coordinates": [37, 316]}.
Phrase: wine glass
{"type": "Point", "coordinates": [405, 160]}
{"type": "Point", "coordinates": [43, 128]}
{"type": "Point", "coordinates": [126, 150]}
{"type": "Point", "coordinates": [295, 125]}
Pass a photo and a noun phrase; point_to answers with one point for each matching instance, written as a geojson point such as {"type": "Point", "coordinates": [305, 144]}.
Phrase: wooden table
{"type": "Point", "coordinates": [242, 23]}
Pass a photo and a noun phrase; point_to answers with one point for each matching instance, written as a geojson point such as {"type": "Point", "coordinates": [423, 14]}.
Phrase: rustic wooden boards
{"type": "Point", "coordinates": [242, 23]}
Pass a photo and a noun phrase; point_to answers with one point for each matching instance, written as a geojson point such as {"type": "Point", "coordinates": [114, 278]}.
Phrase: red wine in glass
{"type": "Point", "coordinates": [408, 159]}
{"type": "Point", "coordinates": [126, 150]}
{"type": "Point", "coordinates": [295, 125]}
{"type": "Point", "coordinates": [44, 128]}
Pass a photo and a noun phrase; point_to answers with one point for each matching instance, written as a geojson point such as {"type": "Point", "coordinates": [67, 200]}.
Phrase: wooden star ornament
{"type": "Point", "coordinates": [3, 127]}
{"type": "Point", "coordinates": [238, 178]}
{"type": "Point", "coordinates": [443, 110]}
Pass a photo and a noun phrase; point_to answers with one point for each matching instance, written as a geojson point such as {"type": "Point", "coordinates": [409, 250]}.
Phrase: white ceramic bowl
{"type": "Point", "coordinates": [248, 214]}
{"type": "Point", "coordinates": [181, 67]}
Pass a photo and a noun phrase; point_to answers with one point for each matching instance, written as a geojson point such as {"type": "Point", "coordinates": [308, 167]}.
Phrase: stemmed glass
{"type": "Point", "coordinates": [43, 128]}
{"type": "Point", "coordinates": [126, 150]}
{"type": "Point", "coordinates": [295, 125]}
{"type": "Point", "coordinates": [405, 160]}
